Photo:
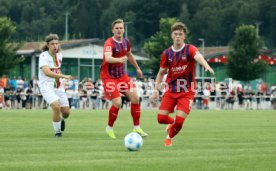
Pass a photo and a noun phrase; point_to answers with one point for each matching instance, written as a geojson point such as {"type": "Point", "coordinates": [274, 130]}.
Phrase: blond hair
{"type": "Point", "coordinates": [48, 39]}
{"type": "Point", "coordinates": [179, 26]}
{"type": "Point", "coordinates": [116, 22]}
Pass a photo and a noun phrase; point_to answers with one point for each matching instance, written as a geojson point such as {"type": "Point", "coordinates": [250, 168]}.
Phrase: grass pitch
{"type": "Point", "coordinates": [209, 141]}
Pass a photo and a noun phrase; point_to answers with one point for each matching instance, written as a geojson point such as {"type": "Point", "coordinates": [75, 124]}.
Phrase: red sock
{"type": "Point", "coordinates": [176, 127]}
{"type": "Point", "coordinates": [135, 112]}
{"type": "Point", "coordinates": [113, 113]}
{"type": "Point", "coordinates": [164, 119]}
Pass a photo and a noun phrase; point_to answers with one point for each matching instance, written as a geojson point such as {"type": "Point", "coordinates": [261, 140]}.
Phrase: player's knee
{"type": "Point", "coordinates": [55, 107]}
{"type": "Point", "coordinates": [135, 100]}
{"type": "Point", "coordinates": [66, 113]}
{"type": "Point", "coordinates": [117, 104]}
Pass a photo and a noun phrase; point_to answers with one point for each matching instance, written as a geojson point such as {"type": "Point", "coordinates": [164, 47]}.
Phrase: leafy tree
{"type": "Point", "coordinates": [215, 20]}
{"type": "Point", "coordinates": [267, 19]}
{"type": "Point", "coordinates": [207, 22]}
{"type": "Point", "coordinates": [185, 14]}
{"type": "Point", "coordinates": [8, 56]}
{"type": "Point", "coordinates": [149, 13]}
{"type": "Point", "coordinates": [85, 17]}
{"type": "Point", "coordinates": [159, 42]}
{"type": "Point", "coordinates": [229, 20]}
{"type": "Point", "coordinates": [106, 19]}
{"type": "Point", "coordinates": [242, 63]}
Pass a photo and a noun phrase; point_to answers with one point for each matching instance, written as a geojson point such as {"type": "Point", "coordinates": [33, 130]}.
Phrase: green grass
{"type": "Point", "coordinates": [209, 140]}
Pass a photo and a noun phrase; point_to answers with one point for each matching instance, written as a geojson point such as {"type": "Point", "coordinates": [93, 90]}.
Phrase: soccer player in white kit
{"type": "Point", "coordinates": [50, 82]}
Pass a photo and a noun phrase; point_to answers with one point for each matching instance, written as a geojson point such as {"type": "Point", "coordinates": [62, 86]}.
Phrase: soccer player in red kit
{"type": "Point", "coordinates": [179, 61]}
{"type": "Point", "coordinates": [117, 52]}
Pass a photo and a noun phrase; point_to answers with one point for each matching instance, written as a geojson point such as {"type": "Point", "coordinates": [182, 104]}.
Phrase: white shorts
{"type": "Point", "coordinates": [52, 94]}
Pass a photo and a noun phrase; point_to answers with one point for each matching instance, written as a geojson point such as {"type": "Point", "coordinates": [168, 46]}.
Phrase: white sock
{"type": "Point", "coordinates": [136, 126]}
{"type": "Point", "coordinates": [56, 126]}
{"type": "Point", "coordinates": [109, 127]}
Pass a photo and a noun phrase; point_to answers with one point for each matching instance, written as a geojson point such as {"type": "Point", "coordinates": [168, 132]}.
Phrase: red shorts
{"type": "Point", "coordinates": [113, 87]}
{"type": "Point", "coordinates": [182, 101]}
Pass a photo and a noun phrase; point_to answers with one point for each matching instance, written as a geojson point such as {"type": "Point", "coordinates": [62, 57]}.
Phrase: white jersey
{"type": "Point", "coordinates": [54, 63]}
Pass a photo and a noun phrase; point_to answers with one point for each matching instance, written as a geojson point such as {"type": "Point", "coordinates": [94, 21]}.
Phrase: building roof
{"type": "Point", "coordinates": [35, 47]}
{"type": "Point", "coordinates": [92, 48]}
{"type": "Point", "coordinates": [210, 52]}
{"type": "Point", "coordinates": [220, 55]}
{"type": "Point", "coordinates": [90, 51]}
{"type": "Point", "coordinates": [81, 48]}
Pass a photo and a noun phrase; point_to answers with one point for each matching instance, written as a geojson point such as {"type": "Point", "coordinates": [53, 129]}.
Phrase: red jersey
{"type": "Point", "coordinates": [181, 68]}
{"type": "Point", "coordinates": [118, 49]}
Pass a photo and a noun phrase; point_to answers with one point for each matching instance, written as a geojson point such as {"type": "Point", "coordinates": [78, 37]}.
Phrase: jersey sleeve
{"type": "Point", "coordinates": [43, 60]}
{"type": "Point", "coordinates": [108, 46]}
{"type": "Point", "coordinates": [163, 62]}
{"type": "Point", "coordinates": [193, 51]}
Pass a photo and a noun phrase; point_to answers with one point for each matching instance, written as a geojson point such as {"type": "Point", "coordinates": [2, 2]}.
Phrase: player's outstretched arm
{"type": "Point", "coordinates": [199, 58]}
{"type": "Point", "coordinates": [132, 60]}
{"type": "Point", "coordinates": [158, 81]}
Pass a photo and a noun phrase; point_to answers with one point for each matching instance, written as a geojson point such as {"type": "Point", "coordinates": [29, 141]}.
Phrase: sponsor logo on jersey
{"type": "Point", "coordinates": [179, 68]}
{"type": "Point", "coordinates": [184, 57]}
{"type": "Point", "coordinates": [108, 48]}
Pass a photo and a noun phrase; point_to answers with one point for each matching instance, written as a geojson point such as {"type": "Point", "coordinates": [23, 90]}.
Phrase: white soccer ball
{"type": "Point", "coordinates": [133, 141]}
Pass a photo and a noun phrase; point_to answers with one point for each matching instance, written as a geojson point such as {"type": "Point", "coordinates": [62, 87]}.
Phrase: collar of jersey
{"type": "Point", "coordinates": [178, 49]}
{"type": "Point", "coordinates": [116, 40]}
{"type": "Point", "coordinates": [55, 58]}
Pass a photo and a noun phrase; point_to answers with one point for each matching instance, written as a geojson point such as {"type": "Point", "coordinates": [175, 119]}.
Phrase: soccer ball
{"type": "Point", "coordinates": [133, 141]}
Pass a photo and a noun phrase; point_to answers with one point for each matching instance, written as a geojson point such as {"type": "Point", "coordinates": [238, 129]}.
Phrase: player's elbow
{"type": "Point", "coordinates": [162, 72]}
{"type": "Point", "coordinates": [107, 60]}
{"type": "Point", "coordinates": [110, 60]}
{"type": "Point", "coordinates": [47, 72]}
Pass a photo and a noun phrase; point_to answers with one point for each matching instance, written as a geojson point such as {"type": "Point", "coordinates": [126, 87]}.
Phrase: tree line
{"type": "Point", "coordinates": [213, 20]}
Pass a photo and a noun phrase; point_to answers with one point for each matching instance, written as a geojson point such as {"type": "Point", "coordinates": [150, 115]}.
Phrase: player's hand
{"type": "Point", "coordinates": [210, 70]}
{"type": "Point", "coordinates": [123, 59]}
{"type": "Point", "coordinates": [68, 77]}
{"type": "Point", "coordinates": [139, 73]}
{"type": "Point", "coordinates": [154, 95]}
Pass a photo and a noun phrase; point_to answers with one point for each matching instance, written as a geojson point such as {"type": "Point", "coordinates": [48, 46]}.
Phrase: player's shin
{"type": "Point", "coordinates": [135, 112]}
{"type": "Point", "coordinates": [113, 113]}
{"type": "Point", "coordinates": [176, 127]}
